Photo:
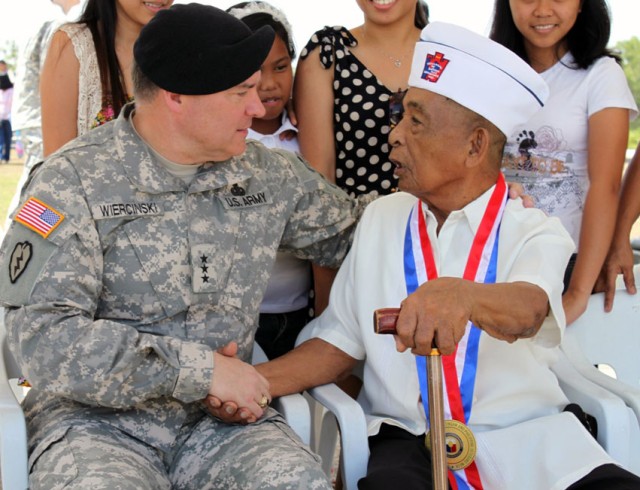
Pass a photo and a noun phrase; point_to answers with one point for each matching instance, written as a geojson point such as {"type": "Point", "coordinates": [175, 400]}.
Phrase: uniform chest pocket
{"type": "Point", "coordinates": [145, 272]}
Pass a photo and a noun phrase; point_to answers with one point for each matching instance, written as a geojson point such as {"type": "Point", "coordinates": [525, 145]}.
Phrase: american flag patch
{"type": "Point", "coordinates": [39, 217]}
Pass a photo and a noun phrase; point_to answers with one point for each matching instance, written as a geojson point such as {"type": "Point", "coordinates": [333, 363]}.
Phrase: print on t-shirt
{"type": "Point", "coordinates": [542, 163]}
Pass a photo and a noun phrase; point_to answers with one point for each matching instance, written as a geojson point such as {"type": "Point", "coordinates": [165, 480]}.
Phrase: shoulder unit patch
{"type": "Point", "coordinates": [20, 257]}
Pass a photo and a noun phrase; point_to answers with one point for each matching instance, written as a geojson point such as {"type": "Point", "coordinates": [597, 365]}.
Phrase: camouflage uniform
{"type": "Point", "coordinates": [114, 311]}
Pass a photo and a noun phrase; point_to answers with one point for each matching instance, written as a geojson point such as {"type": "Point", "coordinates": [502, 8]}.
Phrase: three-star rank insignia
{"type": "Point", "coordinates": [204, 267]}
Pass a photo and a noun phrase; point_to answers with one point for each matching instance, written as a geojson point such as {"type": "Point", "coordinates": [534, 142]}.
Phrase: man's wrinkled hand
{"type": "Point", "coordinates": [436, 313]}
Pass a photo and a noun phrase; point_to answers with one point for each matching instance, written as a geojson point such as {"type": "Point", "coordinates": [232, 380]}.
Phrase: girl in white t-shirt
{"type": "Point", "coordinates": [285, 307]}
{"type": "Point", "coordinates": [569, 156]}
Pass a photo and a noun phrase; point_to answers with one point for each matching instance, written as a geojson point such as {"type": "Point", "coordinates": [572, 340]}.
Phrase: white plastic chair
{"type": "Point", "coordinates": [13, 431]}
{"type": "Point", "coordinates": [612, 339]}
{"type": "Point", "coordinates": [332, 409]}
{"type": "Point", "coordinates": [618, 427]}
{"type": "Point", "coordinates": [618, 430]}
{"type": "Point", "coordinates": [335, 415]}
{"type": "Point", "coordinates": [294, 408]}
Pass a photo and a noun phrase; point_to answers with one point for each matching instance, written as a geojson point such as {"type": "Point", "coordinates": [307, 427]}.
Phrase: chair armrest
{"type": "Point", "coordinates": [575, 355]}
{"type": "Point", "coordinates": [615, 421]}
{"type": "Point", "coordinates": [13, 434]}
{"type": "Point", "coordinates": [354, 453]}
{"type": "Point", "coordinates": [295, 409]}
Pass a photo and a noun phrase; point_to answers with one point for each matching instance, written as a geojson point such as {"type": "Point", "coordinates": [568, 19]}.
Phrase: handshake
{"type": "Point", "coordinates": [238, 392]}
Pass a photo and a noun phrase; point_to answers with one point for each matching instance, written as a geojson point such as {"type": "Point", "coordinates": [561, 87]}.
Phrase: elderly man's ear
{"type": "Point", "coordinates": [479, 142]}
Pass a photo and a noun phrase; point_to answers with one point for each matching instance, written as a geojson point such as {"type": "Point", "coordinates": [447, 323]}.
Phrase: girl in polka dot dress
{"type": "Point", "coordinates": [342, 101]}
{"type": "Point", "coordinates": [343, 84]}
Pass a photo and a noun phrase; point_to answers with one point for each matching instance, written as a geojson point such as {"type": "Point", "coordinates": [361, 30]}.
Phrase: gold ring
{"type": "Point", "coordinates": [264, 401]}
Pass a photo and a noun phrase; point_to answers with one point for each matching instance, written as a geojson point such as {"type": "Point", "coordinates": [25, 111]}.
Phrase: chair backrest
{"type": "Point", "coordinates": [10, 365]}
{"type": "Point", "coordinates": [13, 431]}
{"type": "Point", "coordinates": [611, 338]}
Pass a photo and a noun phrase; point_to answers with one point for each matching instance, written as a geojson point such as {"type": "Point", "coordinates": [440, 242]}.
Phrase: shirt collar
{"type": "Point", "coordinates": [142, 166]}
{"type": "Point", "coordinates": [472, 212]}
{"type": "Point", "coordinates": [285, 125]}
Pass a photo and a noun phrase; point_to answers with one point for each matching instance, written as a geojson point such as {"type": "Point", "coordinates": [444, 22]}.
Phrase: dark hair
{"type": "Point", "coordinates": [5, 82]}
{"type": "Point", "coordinates": [259, 19]}
{"type": "Point", "coordinates": [100, 17]}
{"type": "Point", "coordinates": [587, 40]}
{"type": "Point", "coordinates": [421, 18]}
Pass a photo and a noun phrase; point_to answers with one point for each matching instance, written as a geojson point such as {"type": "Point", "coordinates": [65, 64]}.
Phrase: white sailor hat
{"type": "Point", "coordinates": [478, 74]}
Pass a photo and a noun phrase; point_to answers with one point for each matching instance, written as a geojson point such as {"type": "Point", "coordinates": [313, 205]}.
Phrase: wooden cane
{"type": "Point", "coordinates": [436, 420]}
{"type": "Point", "coordinates": [384, 321]}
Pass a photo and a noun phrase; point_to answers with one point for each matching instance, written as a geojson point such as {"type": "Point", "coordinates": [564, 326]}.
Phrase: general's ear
{"type": "Point", "coordinates": [172, 101]}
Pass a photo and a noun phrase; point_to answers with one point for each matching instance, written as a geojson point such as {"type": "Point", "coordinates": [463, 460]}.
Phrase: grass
{"type": "Point", "coordinates": [9, 176]}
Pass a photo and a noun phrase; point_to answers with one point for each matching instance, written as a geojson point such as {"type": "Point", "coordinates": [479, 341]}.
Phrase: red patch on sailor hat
{"type": "Point", "coordinates": [434, 66]}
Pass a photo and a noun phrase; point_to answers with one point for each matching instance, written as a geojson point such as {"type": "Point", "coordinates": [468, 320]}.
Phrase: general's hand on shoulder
{"type": "Point", "coordinates": [517, 191]}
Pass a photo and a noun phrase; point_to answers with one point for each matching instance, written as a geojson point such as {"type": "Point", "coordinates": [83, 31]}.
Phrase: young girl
{"type": "Point", "coordinates": [569, 156]}
{"type": "Point", "coordinates": [284, 310]}
{"type": "Point", "coordinates": [344, 82]}
{"type": "Point", "coordinates": [6, 98]}
{"type": "Point", "coordinates": [86, 77]}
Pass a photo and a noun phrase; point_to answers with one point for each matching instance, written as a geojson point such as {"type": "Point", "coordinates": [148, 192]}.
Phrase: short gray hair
{"type": "Point", "coordinates": [143, 87]}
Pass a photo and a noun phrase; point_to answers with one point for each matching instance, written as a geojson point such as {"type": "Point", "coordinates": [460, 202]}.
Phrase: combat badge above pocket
{"type": "Point", "coordinates": [239, 198]}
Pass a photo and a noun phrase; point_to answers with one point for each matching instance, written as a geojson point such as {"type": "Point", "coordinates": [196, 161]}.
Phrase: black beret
{"type": "Point", "coordinates": [194, 49]}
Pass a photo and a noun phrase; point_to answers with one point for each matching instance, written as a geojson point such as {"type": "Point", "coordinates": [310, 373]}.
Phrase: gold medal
{"type": "Point", "coordinates": [461, 444]}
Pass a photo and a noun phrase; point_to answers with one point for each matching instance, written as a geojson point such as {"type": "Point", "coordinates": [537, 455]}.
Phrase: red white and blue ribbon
{"type": "Point", "coordinates": [459, 368]}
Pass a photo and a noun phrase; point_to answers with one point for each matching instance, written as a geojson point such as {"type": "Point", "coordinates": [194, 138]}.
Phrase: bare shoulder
{"type": "Point", "coordinates": [60, 42]}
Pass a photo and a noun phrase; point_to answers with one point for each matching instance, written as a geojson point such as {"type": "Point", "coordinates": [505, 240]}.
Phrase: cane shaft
{"type": "Point", "coordinates": [384, 322]}
{"type": "Point", "coordinates": [436, 420]}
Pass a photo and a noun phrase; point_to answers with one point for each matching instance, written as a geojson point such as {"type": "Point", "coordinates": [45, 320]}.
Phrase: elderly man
{"type": "Point", "coordinates": [479, 275]}
{"type": "Point", "coordinates": [145, 246]}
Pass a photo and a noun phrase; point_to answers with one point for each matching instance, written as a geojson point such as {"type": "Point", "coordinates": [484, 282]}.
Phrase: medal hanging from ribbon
{"type": "Point", "coordinates": [459, 368]}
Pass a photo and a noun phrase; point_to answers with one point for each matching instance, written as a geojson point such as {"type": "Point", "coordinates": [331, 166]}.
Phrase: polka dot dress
{"type": "Point", "coordinates": [361, 116]}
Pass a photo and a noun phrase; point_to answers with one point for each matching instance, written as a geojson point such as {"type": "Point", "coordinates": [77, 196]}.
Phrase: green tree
{"type": "Point", "coordinates": [9, 53]}
{"type": "Point", "coordinates": [630, 52]}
